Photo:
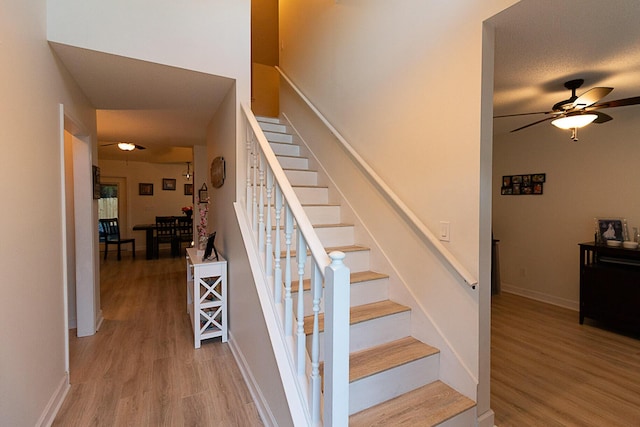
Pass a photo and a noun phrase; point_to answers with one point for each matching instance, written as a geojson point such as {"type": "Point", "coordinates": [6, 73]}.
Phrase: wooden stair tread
{"type": "Point", "coordinates": [356, 277]}
{"type": "Point", "coordinates": [309, 186]}
{"type": "Point", "coordinates": [336, 225]}
{"type": "Point", "coordinates": [429, 405]}
{"type": "Point", "coordinates": [360, 313]}
{"type": "Point", "coordinates": [347, 249]}
{"type": "Point", "coordinates": [299, 170]}
{"type": "Point", "coordinates": [381, 358]}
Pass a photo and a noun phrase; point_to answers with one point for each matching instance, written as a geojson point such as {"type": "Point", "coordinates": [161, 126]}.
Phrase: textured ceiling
{"type": "Point", "coordinates": [540, 44]}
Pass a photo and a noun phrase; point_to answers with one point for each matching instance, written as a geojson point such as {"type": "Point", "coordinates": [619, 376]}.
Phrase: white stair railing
{"type": "Point", "coordinates": [291, 252]}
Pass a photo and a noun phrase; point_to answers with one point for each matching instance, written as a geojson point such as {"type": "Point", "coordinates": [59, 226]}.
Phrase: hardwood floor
{"type": "Point", "coordinates": [141, 369]}
{"type": "Point", "coordinates": [548, 370]}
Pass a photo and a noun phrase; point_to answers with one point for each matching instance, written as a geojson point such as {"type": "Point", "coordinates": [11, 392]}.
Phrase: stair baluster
{"type": "Point", "coordinates": [288, 302]}
{"type": "Point", "coordinates": [301, 337]}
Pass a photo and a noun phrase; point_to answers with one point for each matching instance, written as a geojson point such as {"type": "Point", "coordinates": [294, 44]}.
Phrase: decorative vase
{"type": "Point", "coordinates": [188, 214]}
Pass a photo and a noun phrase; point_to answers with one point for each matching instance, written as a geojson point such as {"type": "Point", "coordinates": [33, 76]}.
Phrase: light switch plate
{"type": "Point", "coordinates": [445, 229]}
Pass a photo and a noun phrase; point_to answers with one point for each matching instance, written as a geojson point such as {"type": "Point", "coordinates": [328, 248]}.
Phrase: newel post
{"type": "Point", "coordinates": [336, 328]}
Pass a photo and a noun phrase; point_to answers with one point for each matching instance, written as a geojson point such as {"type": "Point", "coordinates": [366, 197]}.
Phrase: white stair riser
{"type": "Point", "coordinates": [289, 162]}
{"type": "Point", "coordinates": [323, 214]}
{"type": "Point", "coordinates": [386, 385]}
{"type": "Point", "coordinates": [273, 127]}
{"type": "Point", "coordinates": [356, 261]}
{"type": "Point", "coordinates": [361, 293]}
{"type": "Point", "coordinates": [373, 332]}
{"type": "Point", "coordinates": [302, 177]}
{"type": "Point", "coordinates": [285, 149]}
{"type": "Point", "coordinates": [312, 195]}
{"type": "Point", "coordinates": [329, 236]}
{"type": "Point", "coordinates": [279, 137]}
{"type": "Point", "coordinates": [265, 119]}
{"type": "Point", "coordinates": [317, 214]}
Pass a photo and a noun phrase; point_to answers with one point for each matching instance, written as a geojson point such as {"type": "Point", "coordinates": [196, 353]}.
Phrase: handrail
{"type": "Point", "coordinates": [270, 201]}
{"type": "Point", "coordinates": [388, 192]}
{"type": "Point", "coordinates": [304, 225]}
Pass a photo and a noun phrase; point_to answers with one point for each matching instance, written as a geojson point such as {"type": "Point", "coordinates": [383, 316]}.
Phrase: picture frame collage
{"type": "Point", "coordinates": [523, 185]}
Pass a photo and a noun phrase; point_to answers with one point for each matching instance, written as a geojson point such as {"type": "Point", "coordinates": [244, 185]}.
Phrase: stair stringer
{"type": "Point", "coordinates": [453, 370]}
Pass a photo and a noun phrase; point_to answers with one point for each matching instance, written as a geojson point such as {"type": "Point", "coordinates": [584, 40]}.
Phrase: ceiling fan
{"type": "Point", "coordinates": [578, 111]}
{"type": "Point", "coordinates": [126, 146]}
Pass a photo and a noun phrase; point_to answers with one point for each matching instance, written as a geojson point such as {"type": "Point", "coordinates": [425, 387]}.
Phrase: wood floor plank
{"type": "Point", "coordinates": [548, 370]}
{"type": "Point", "coordinates": [141, 369]}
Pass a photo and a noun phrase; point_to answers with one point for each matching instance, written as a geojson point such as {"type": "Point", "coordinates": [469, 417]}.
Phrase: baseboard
{"type": "Point", "coordinates": [100, 320]}
{"type": "Point", "coordinates": [486, 419]}
{"type": "Point", "coordinates": [261, 403]}
{"type": "Point", "coordinates": [52, 408]}
{"type": "Point", "coordinates": [539, 296]}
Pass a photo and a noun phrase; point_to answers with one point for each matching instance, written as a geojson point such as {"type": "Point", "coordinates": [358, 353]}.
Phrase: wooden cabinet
{"type": "Point", "coordinates": [610, 285]}
{"type": "Point", "coordinates": [206, 297]}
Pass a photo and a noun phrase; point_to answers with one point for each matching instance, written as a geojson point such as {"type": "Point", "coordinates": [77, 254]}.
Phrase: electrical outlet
{"type": "Point", "coordinates": [445, 231]}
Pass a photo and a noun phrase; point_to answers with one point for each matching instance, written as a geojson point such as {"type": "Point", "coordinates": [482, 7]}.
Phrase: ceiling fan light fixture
{"type": "Point", "coordinates": [574, 121]}
{"type": "Point", "coordinates": [126, 146]}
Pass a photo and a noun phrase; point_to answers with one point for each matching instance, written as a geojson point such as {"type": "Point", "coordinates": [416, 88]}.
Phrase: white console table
{"type": "Point", "coordinates": [206, 297]}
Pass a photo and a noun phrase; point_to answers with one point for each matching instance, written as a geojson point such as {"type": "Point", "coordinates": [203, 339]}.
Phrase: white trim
{"type": "Point", "coordinates": [386, 190]}
{"type": "Point", "coordinates": [295, 397]}
{"type": "Point", "coordinates": [57, 398]}
{"type": "Point", "coordinates": [63, 240]}
{"type": "Point", "coordinates": [542, 297]}
{"type": "Point", "coordinates": [256, 393]}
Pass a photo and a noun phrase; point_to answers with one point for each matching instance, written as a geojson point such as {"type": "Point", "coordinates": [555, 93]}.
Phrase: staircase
{"type": "Point", "coordinates": [393, 377]}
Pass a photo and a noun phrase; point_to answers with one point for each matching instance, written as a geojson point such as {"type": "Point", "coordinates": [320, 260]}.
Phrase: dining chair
{"type": "Point", "coordinates": [166, 234]}
{"type": "Point", "coordinates": [111, 233]}
{"type": "Point", "coordinates": [184, 232]}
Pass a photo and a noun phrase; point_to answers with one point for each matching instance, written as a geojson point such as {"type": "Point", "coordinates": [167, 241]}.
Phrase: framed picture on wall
{"type": "Point", "coordinates": [145, 189]}
{"type": "Point", "coordinates": [169, 184]}
{"type": "Point", "coordinates": [188, 189]}
{"type": "Point", "coordinates": [96, 182]}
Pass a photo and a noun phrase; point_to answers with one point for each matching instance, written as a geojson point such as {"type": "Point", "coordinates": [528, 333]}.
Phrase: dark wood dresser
{"type": "Point", "coordinates": [610, 286]}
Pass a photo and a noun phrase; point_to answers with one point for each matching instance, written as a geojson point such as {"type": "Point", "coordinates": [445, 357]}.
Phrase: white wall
{"type": "Point", "coordinates": [144, 209]}
{"type": "Point", "coordinates": [389, 76]}
{"type": "Point", "coordinates": [32, 314]}
{"type": "Point", "coordinates": [246, 322]}
{"type": "Point", "coordinates": [594, 177]}
{"type": "Point", "coordinates": [202, 36]}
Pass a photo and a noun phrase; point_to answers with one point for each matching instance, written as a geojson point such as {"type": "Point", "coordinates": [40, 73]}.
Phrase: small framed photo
{"type": "Point", "coordinates": [506, 181]}
{"type": "Point", "coordinates": [203, 194]}
{"type": "Point", "coordinates": [516, 179]}
{"type": "Point", "coordinates": [611, 229]}
{"type": "Point", "coordinates": [537, 188]}
{"type": "Point", "coordinates": [169, 184]}
{"type": "Point", "coordinates": [188, 189]}
{"type": "Point", "coordinates": [538, 177]}
{"type": "Point", "coordinates": [145, 189]}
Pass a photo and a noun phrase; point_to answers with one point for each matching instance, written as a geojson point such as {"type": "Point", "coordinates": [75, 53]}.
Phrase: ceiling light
{"type": "Point", "coordinates": [574, 121]}
{"type": "Point", "coordinates": [126, 146]}
{"type": "Point", "coordinates": [188, 173]}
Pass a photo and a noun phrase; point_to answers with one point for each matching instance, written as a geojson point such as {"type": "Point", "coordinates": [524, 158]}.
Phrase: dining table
{"type": "Point", "coordinates": [149, 229]}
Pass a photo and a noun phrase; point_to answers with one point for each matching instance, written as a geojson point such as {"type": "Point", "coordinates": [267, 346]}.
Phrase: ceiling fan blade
{"type": "Point", "coordinates": [592, 96]}
{"type": "Point", "coordinates": [602, 117]}
{"type": "Point", "coordinates": [522, 114]}
{"type": "Point", "coordinates": [534, 123]}
{"type": "Point", "coordinates": [617, 103]}
{"type": "Point", "coordinates": [140, 147]}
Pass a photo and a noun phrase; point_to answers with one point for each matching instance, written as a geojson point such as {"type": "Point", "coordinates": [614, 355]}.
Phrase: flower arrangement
{"type": "Point", "coordinates": [203, 208]}
{"type": "Point", "coordinates": [187, 209]}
